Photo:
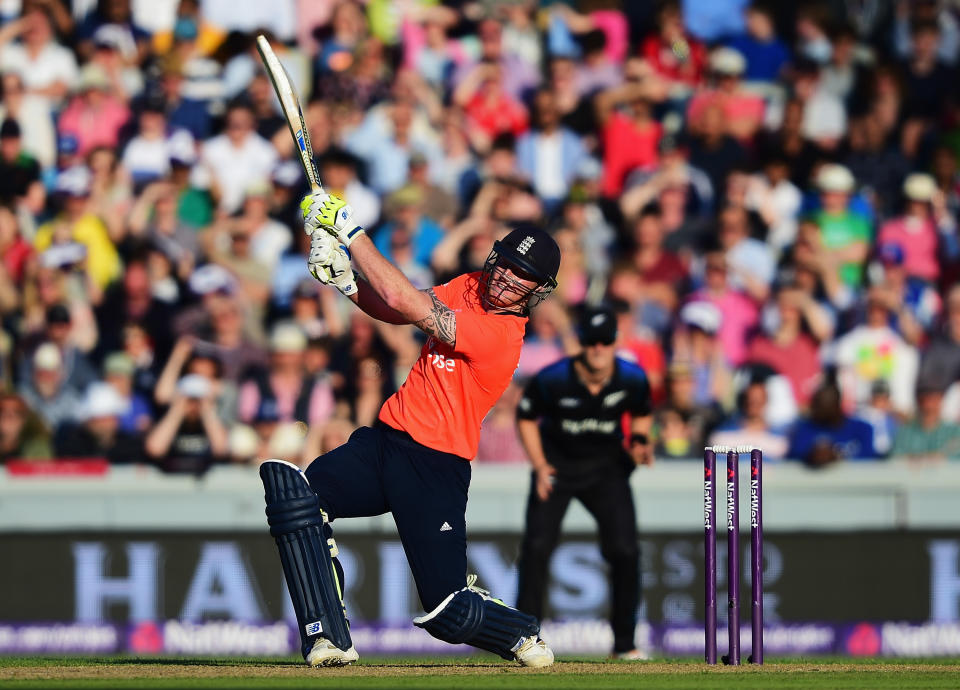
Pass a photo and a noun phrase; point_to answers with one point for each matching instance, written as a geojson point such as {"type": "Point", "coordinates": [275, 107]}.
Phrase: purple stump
{"type": "Point", "coordinates": [756, 553]}
{"type": "Point", "coordinates": [710, 553]}
{"type": "Point", "coordinates": [733, 558]}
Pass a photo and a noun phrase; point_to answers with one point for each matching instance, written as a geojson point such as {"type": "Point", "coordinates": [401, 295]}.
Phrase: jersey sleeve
{"type": "Point", "coordinates": [531, 405]}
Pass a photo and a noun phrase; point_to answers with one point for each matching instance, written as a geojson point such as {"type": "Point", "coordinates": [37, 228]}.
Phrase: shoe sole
{"type": "Point", "coordinates": [335, 660]}
{"type": "Point", "coordinates": [331, 662]}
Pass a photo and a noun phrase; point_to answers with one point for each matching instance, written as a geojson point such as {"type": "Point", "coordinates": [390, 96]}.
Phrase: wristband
{"type": "Point", "coordinates": [642, 439]}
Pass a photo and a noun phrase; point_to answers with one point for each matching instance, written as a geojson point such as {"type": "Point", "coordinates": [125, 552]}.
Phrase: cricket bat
{"type": "Point", "coordinates": [291, 111]}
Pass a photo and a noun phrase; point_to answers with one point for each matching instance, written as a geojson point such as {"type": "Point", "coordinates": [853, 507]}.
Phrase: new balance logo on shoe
{"type": "Point", "coordinates": [445, 527]}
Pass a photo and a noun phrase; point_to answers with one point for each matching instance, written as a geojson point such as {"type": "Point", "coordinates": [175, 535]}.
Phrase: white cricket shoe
{"type": "Point", "coordinates": [325, 653]}
{"type": "Point", "coordinates": [631, 655]}
{"type": "Point", "coordinates": [533, 652]}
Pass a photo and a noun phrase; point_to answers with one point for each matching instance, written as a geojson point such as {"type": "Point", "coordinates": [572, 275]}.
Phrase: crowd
{"type": "Point", "coordinates": [766, 193]}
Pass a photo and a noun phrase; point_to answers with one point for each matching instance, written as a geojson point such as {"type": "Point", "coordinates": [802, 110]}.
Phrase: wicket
{"type": "Point", "coordinates": [733, 552]}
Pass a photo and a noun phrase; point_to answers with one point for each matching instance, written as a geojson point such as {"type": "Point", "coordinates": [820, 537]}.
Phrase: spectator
{"type": "Point", "coordinates": [681, 425]}
{"type": "Point", "coordinates": [348, 27]}
{"type": "Point", "coordinates": [488, 106]}
{"type": "Point", "coordinates": [338, 170]}
{"type": "Point", "coordinates": [76, 369]}
{"type": "Point", "coordinates": [873, 351]}
{"type": "Point", "coordinates": [294, 396]}
{"type": "Point", "coordinates": [23, 435]}
{"type": "Point", "coordinates": [790, 346]}
{"type": "Point", "coordinates": [880, 415]}
{"type": "Point", "coordinates": [742, 111]}
{"type": "Point", "coordinates": [118, 373]}
{"type": "Point", "coordinates": [15, 251]}
{"type": "Point", "coordinates": [844, 232]}
{"type": "Point", "coordinates": [113, 51]}
{"type": "Point", "coordinates": [32, 114]}
{"type": "Point", "coordinates": [19, 173]}
{"type": "Point", "coordinates": [550, 155]}
{"type": "Point", "coordinates": [406, 223]}
{"type": "Point", "coordinates": [629, 138]}
{"type": "Point", "coordinates": [942, 358]}
{"type": "Point", "coordinates": [740, 313]}
{"type": "Point", "coordinates": [765, 54]}
{"type": "Point", "coordinates": [184, 110]}
{"type": "Point", "coordinates": [192, 357]}
{"type": "Point", "coordinates": [907, 15]}
{"type": "Point", "coordinates": [878, 165]}
{"type": "Point", "coordinates": [147, 156]}
{"type": "Point", "coordinates": [713, 150]}
{"type": "Point", "coordinates": [439, 205]}
{"type": "Point", "coordinates": [426, 46]}
{"type": "Point", "coordinates": [823, 119]}
{"type": "Point", "coordinates": [698, 346]}
{"type": "Point", "coordinates": [843, 76]}
{"type": "Point", "coordinates": [47, 68]}
{"type": "Point", "coordinates": [750, 425]}
{"type": "Point", "coordinates": [927, 436]}
{"type": "Point", "coordinates": [662, 273]}
{"type": "Point", "coordinates": [315, 310]}
{"type": "Point", "coordinates": [236, 159]}
{"type": "Point", "coordinates": [46, 391]}
{"type": "Point", "coordinates": [190, 437]}
{"type": "Point", "coordinates": [518, 76]}
{"type": "Point", "coordinates": [776, 200]}
{"type": "Point", "coordinates": [684, 192]}
{"type": "Point", "coordinates": [827, 435]}
{"type": "Point", "coordinates": [386, 145]}
{"type": "Point", "coordinates": [917, 232]}
{"type": "Point", "coordinates": [749, 261]}
{"type": "Point", "coordinates": [78, 225]}
{"type": "Point", "coordinates": [676, 56]}
{"type": "Point", "coordinates": [913, 304]}
{"type": "Point", "coordinates": [99, 433]}
{"type": "Point", "coordinates": [928, 80]}
{"type": "Point", "coordinates": [95, 116]}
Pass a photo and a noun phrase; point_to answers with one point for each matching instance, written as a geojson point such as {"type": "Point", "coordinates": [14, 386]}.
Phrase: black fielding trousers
{"type": "Point", "coordinates": [608, 498]}
{"type": "Point", "coordinates": [383, 470]}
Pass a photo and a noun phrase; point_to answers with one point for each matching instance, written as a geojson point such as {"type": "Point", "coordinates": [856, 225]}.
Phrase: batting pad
{"type": "Point", "coordinates": [473, 618]}
{"type": "Point", "coordinates": [299, 527]}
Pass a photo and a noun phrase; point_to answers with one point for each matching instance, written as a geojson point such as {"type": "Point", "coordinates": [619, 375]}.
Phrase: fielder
{"type": "Point", "coordinates": [414, 462]}
{"type": "Point", "coordinates": [576, 451]}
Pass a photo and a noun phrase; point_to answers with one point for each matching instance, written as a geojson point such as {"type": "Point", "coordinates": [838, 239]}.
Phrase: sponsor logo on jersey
{"type": "Point", "coordinates": [568, 402]}
{"type": "Point", "coordinates": [613, 398]}
{"type": "Point", "coordinates": [584, 426]}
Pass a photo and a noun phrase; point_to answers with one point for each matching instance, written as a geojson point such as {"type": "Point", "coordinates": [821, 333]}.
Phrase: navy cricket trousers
{"type": "Point", "coordinates": [382, 470]}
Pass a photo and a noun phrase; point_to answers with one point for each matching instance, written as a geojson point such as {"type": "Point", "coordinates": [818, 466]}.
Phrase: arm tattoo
{"type": "Point", "coordinates": [441, 322]}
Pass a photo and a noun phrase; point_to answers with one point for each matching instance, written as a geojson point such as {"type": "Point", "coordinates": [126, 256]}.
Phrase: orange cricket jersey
{"type": "Point", "coordinates": [450, 389]}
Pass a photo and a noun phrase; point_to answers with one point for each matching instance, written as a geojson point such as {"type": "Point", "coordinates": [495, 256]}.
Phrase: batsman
{"type": "Point", "coordinates": [414, 462]}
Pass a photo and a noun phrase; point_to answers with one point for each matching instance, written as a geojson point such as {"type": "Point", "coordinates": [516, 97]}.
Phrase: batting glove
{"type": "Point", "coordinates": [332, 214]}
{"type": "Point", "coordinates": [330, 264]}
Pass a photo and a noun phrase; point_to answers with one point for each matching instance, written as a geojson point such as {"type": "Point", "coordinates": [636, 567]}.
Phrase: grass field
{"type": "Point", "coordinates": [470, 672]}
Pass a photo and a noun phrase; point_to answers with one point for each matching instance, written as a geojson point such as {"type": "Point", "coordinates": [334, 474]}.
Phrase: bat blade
{"type": "Point", "coordinates": [292, 112]}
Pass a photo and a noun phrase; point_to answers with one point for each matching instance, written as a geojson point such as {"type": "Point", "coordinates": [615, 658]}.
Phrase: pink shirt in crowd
{"type": "Point", "coordinates": [918, 240]}
{"type": "Point", "coordinates": [93, 128]}
{"type": "Point", "coordinates": [740, 316]}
